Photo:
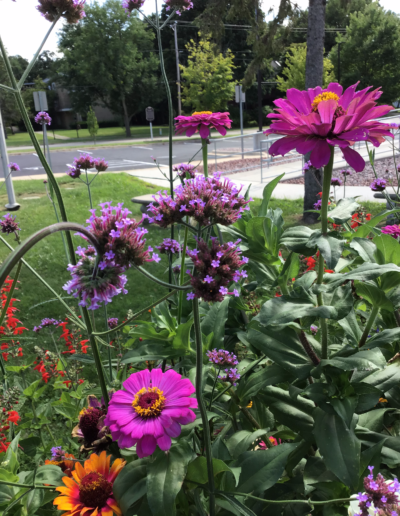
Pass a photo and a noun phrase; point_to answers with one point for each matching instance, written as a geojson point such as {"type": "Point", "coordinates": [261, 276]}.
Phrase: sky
{"type": "Point", "coordinates": [22, 28]}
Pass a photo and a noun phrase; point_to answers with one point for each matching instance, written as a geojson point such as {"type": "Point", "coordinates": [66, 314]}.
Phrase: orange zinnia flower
{"type": "Point", "coordinates": [90, 490]}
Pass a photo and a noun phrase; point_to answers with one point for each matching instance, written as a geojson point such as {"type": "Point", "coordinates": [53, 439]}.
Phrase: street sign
{"type": "Point", "coordinates": [238, 91]}
{"type": "Point", "coordinates": [40, 100]}
{"type": "Point", "coordinates": [149, 114]}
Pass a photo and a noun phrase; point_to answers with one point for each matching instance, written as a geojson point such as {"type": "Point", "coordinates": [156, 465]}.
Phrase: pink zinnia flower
{"type": "Point", "coordinates": [150, 410]}
{"type": "Point", "coordinates": [394, 231]}
{"type": "Point", "coordinates": [202, 122]}
{"type": "Point", "coordinates": [315, 120]}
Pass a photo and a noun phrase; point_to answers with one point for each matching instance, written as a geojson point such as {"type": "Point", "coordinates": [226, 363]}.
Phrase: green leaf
{"type": "Point", "coordinates": [338, 446]}
{"type": "Point", "coordinates": [50, 474]}
{"type": "Point", "coordinates": [365, 248]}
{"type": "Point", "coordinates": [29, 446]}
{"type": "Point", "coordinates": [30, 391]}
{"type": "Point", "coordinates": [263, 468]}
{"type": "Point", "coordinates": [386, 379]}
{"type": "Point", "coordinates": [238, 507]}
{"type": "Point", "coordinates": [365, 360]}
{"type": "Point", "coordinates": [147, 331]}
{"type": "Point", "coordinates": [68, 411]}
{"type": "Point", "coordinates": [368, 396]}
{"type": "Point", "coordinates": [33, 500]}
{"type": "Point", "coordinates": [182, 337]}
{"type": "Point", "coordinates": [364, 230]}
{"type": "Point", "coordinates": [150, 351]}
{"type": "Point", "coordinates": [270, 375]}
{"type": "Point", "coordinates": [351, 328]}
{"type": "Point", "coordinates": [387, 336]}
{"type": "Point", "coordinates": [197, 470]}
{"type": "Point", "coordinates": [85, 359]}
{"type": "Point", "coordinates": [163, 317]}
{"type": "Point", "coordinates": [373, 294]}
{"type": "Point", "coordinates": [131, 484]}
{"type": "Point", "coordinates": [387, 249]}
{"type": "Point", "coordinates": [17, 369]}
{"type": "Point", "coordinates": [365, 272]}
{"type": "Point", "coordinates": [343, 210]}
{"type": "Point", "coordinates": [374, 419]}
{"type": "Point", "coordinates": [242, 440]}
{"type": "Point", "coordinates": [165, 475]}
{"type": "Point", "coordinates": [330, 245]}
{"type": "Point", "coordinates": [268, 190]}
{"type": "Point", "coordinates": [296, 239]}
{"type": "Point", "coordinates": [214, 321]}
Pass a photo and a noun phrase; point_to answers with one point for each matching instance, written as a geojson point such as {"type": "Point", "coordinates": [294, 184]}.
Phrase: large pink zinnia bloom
{"type": "Point", "coordinates": [150, 410]}
{"type": "Point", "coordinates": [202, 122]}
{"type": "Point", "coordinates": [314, 120]}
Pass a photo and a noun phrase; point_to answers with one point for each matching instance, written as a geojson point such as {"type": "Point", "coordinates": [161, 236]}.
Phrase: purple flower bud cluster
{"type": "Point", "coordinates": [314, 329]}
{"type": "Point", "coordinates": [177, 269]}
{"type": "Point", "coordinates": [222, 357]}
{"type": "Point", "coordinates": [307, 165]}
{"type": "Point", "coordinates": [169, 246]}
{"type": "Point", "coordinates": [112, 322]}
{"type": "Point", "coordinates": [57, 453]}
{"type": "Point", "coordinates": [9, 224]}
{"type": "Point", "coordinates": [180, 5]}
{"type": "Point", "coordinates": [100, 165]}
{"type": "Point", "coordinates": [14, 167]}
{"type": "Point", "coordinates": [378, 185]}
{"type": "Point", "coordinates": [231, 376]}
{"type": "Point", "coordinates": [120, 237]}
{"type": "Point", "coordinates": [43, 118]}
{"type": "Point", "coordinates": [335, 181]}
{"type": "Point", "coordinates": [394, 230]}
{"type": "Point", "coordinates": [380, 495]}
{"type": "Point", "coordinates": [46, 322]}
{"type": "Point", "coordinates": [184, 170]}
{"type": "Point", "coordinates": [94, 287]}
{"type": "Point", "coordinates": [345, 172]}
{"type": "Point", "coordinates": [207, 200]}
{"type": "Point", "coordinates": [216, 268]}
{"type": "Point", "coordinates": [71, 10]}
{"type": "Point", "coordinates": [86, 162]}
{"type": "Point", "coordinates": [318, 204]}
{"type": "Point", "coordinates": [131, 5]}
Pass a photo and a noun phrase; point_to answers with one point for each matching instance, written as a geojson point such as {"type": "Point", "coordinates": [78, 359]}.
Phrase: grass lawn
{"type": "Point", "coordinates": [48, 257]}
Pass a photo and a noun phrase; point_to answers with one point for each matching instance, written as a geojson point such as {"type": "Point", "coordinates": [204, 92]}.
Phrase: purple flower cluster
{"type": "Point", "coordinates": [95, 286]}
{"type": "Point", "coordinates": [231, 376]}
{"type": "Point", "coordinates": [378, 185]}
{"type": "Point", "coordinates": [120, 237]}
{"type": "Point", "coordinates": [57, 453]}
{"type": "Point", "coordinates": [207, 200]}
{"type": "Point", "coordinates": [382, 495]}
{"type": "Point", "coordinates": [112, 322]}
{"type": "Point", "coordinates": [318, 204]}
{"type": "Point", "coordinates": [216, 267]}
{"type": "Point", "coordinates": [43, 118]}
{"type": "Point", "coordinates": [131, 5]}
{"type": "Point", "coordinates": [180, 5]}
{"type": "Point", "coordinates": [394, 231]}
{"type": "Point", "coordinates": [184, 170]}
{"type": "Point", "coordinates": [14, 167]}
{"type": "Point", "coordinates": [100, 165]}
{"type": "Point", "coordinates": [9, 224]}
{"type": "Point", "coordinates": [222, 357]}
{"type": "Point", "coordinates": [335, 181]}
{"type": "Point", "coordinates": [86, 162]}
{"type": "Point", "coordinates": [71, 10]}
{"type": "Point", "coordinates": [46, 322]}
{"type": "Point", "coordinates": [345, 172]}
{"type": "Point", "coordinates": [314, 329]}
{"type": "Point", "coordinates": [307, 165]}
{"type": "Point", "coordinates": [169, 246]}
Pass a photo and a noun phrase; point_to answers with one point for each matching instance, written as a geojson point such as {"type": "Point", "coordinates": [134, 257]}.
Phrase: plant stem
{"type": "Point", "coordinates": [37, 420]}
{"type": "Point", "coordinates": [368, 326]}
{"type": "Point", "coordinates": [202, 407]}
{"type": "Point", "coordinates": [160, 282]}
{"type": "Point", "coordinates": [25, 486]}
{"type": "Point", "coordinates": [109, 349]}
{"type": "Point", "coordinates": [88, 187]}
{"type": "Point", "coordinates": [213, 389]}
{"type": "Point", "coordinates": [182, 274]}
{"type": "Point", "coordinates": [205, 156]}
{"type": "Point", "coordinates": [308, 502]}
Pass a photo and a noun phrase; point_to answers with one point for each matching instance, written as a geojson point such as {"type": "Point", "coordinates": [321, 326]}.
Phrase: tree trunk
{"type": "Point", "coordinates": [127, 118]}
{"type": "Point", "coordinates": [314, 72]}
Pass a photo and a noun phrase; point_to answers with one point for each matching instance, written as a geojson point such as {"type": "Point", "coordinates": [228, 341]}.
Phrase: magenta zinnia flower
{"type": "Point", "coordinates": [202, 122]}
{"type": "Point", "coordinates": [315, 120]}
{"type": "Point", "coordinates": [394, 231]}
{"type": "Point", "coordinates": [151, 410]}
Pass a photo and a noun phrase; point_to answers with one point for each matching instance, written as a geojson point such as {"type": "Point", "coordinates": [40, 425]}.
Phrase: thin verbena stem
{"type": "Point", "coordinates": [182, 274]}
{"type": "Point", "coordinates": [7, 88]}
{"type": "Point", "coordinates": [169, 17]}
{"type": "Point", "coordinates": [213, 388]}
{"type": "Point", "coordinates": [88, 187]}
{"type": "Point", "coordinates": [160, 282]}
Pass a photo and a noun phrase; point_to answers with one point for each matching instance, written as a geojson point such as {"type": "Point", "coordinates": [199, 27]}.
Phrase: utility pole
{"type": "Point", "coordinates": [174, 27]}
{"type": "Point", "coordinates": [260, 113]}
{"type": "Point", "coordinates": [12, 203]}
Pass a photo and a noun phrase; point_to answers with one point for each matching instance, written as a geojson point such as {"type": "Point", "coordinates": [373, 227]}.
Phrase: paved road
{"type": "Point", "coordinates": [119, 158]}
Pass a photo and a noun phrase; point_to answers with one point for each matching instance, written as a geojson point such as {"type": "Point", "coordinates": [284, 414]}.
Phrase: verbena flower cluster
{"type": "Point", "coordinates": [71, 10]}
{"type": "Point", "coordinates": [231, 376]}
{"type": "Point", "coordinates": [131, 5]}
{"type": "Point", "coordinates": [43, 118]}
{"type": "Point", "coordinates": [9, 224]}
{"type": "Point", "coordinates": [203, 122]}
{"type": "Point", "coordinates": [216, 267]}
{"type": "Point", "coordinates": [46, 322]}
{"type": "Point", "coordinates": [335, 181]}
{"type": "Point", "coordinates": [14, 167]}
{"type": "Point", "coordinates": [208, 200]}
{"type": "Point", "coordinates": [378, 185]}
{"type": "Point", "coordinates": [183, 170]}
{"type": "Point", "coordinates": [86, 162]}
{"type": "Point", "coordinates": [112, 322]}
{"type": "Point", "coordinates": [380, 495]}
{"type": "Point", "coordinates": [180, 5]}
{"type": "Point", "coordinates": [222, 357]}
{"type": "Point", "coordinates": [169, 246]}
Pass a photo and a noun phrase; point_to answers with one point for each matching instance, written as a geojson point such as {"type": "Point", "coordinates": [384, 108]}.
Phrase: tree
{"type": "Point", "coordinates": [295, 69]}
{"type": "Point", "coordinates": [208, 84]}
{"type": "Point", "coordinates": [109, 58]}
{"type": "Point", "coordinates": [92, 124]}
{"type": "Point", "coordinates": [370, 51]}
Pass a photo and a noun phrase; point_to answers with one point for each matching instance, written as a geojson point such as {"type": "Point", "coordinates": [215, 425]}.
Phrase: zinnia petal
{"type": "Point", "coordinates": [354, 159]}
{"type": "Point", "coordinates": [321, 154]}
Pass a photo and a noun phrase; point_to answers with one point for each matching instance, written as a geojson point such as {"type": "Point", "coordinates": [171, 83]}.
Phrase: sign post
{"type": "Point", "coordinates": [12, 203]}
{"type": "Point", "coordinates": [150, 118]}
{"type": "Point", "coordinates": [40, 100]}
{"type": "Point", "coordinates": [240, 97]}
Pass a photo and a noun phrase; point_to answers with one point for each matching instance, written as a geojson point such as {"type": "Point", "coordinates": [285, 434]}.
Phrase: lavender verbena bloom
{"type": "Point", "coordinates": [180, 5]}
{"type": "Point", "coordinates": [318, 205]}
{"type": "Point", "coordinates": [177, 269]}
{"type": "Point", "coordinates": [46, 322]}
{"type": "Point", "coordinates": [85, 161]}
{"type": "Point", "coordinates": [222, 357]}
{"type": "Point", "coordinates": [335, 181]}
{"type": "Point", "coordinates": [120, 237]}
{"type": "Point", "coordinates": [112, 322]}
{"type": "Point", "coordinates": [57, 453]}
{"type": "Point", "coordinates": [378, 185]}
{"type": "Point", "coordinates": [100, 165]}
{"type": "Point", "coordinates": [318, 119]}
{"type": "Point", "coordinates": [184, 170]}
{"type": "Point", "coordinates": [231, 375]}
{"type": "Point", "coordinates": [43, 118]}
{"type": "Point", "coordinates": [314, 329]}
{"type": "Point", "coordinates": [230, 261]}
{"type": "Point", "coordinates": [9, 224]}
{"type": "Point", "coordinates": [14, 167]}
{"type": "Point", "coordinates": [345, 172]}
{"type": "Point", "coordinates": [71, 10]}
{"type": "Point", "coordinates": [74, 172]}
{"type": "Point", "coordinates": [394, 230]}
{"type": "Point", "coordinates": [208, 200]}
{"type": "Point", "coordinates": [307, 165]}
{"type": "Point", "coordinates": [169, 246]}
{"type": "Point", "coordinates": [131, 5]}
{"type": "Point", "coordinates": [92, 288]}
{"type": "Point", "coordinates": [203, 122]}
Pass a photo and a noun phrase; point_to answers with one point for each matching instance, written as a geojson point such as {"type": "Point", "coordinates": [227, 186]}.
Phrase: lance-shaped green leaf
{"type": "Point", "coordinates": [365, 272]}
{"type": "Point", "coordinates": [270, 375]}
{"type": "Point", "coordinates": [197, 470]}
{"type": "Point", "coordinates": [241, 441]}
{"type": "Point", "coordinates": [151, 351]}
{"type": "Point", "coordinates": [373, 294]}
{"type": "Point", "coordinates": [131, 484]}
{"type": "Point", "coordinates": [385, 379]}
{"type": "Point", "coordinates": [330, 245]}
{"type": "Point", "coordinates": [214, 321]}
{"type": "Point", "coordinates": [387, 336]}
{"type": "Point", "coordinates": [234, 504]}
{"type": "Point", "coordinates": [343, 210]}
{"type": "Point", "coordinates": [267, 192]}
{"type": "Point", "coordinates": [390, 454]}
{"type": "Point", "coordinates": [296, 240]}
{"type": "Point", "coordinates": [351, 328]}
{"type": "Point", "coordinates": [365, 248]}
{"type": "Point", "coordinates": [387, 249]}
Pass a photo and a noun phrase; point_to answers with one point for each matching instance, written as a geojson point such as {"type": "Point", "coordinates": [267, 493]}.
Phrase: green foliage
{"type": "Point", "coordinates": [208, 84]}
{"type": "Point", "coordinates": [295, 69]}
{"type": "Point", "coordinates": [92, 124]}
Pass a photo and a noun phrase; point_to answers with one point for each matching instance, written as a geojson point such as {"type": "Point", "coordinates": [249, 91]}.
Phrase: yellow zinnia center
{"type": "Point", "coordinates": [149, 402]}
{"type": "Point", "coordinates": [322, 97]}
{"type": "Point", "coordinates": [202, 113]}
